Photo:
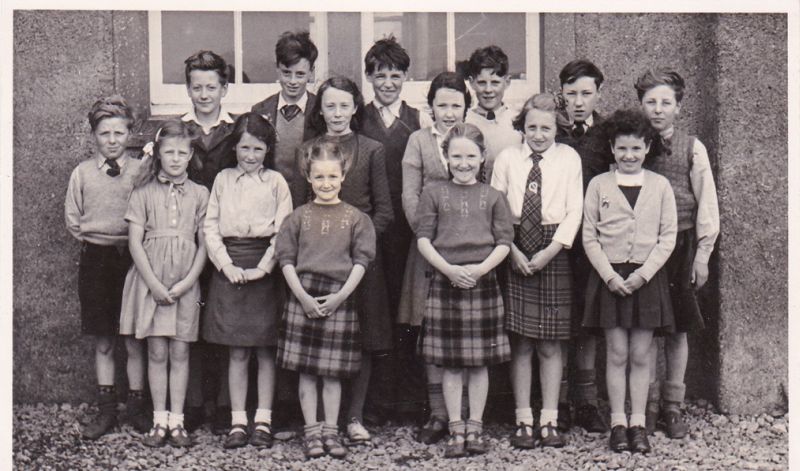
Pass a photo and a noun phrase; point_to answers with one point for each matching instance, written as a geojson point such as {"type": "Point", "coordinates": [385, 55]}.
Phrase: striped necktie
{"type": "Point", "coordinates": [530, 232]}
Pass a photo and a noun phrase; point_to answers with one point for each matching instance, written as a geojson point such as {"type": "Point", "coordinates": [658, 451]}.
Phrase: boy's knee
{"type": "Point", "coordinates": [104, 346]}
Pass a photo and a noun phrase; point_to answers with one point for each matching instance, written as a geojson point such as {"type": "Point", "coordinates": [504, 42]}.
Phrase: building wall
{"type": "Point", "coordinates": [735, 103]}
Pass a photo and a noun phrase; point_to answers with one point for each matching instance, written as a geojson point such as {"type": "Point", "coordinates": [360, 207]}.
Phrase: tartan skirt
{"type": "Point", "coordinates": [540, 306]}
{"type": "Point", "coordinates": [328, 346]}
{"type": "Point", "coordinates": [464, 327]}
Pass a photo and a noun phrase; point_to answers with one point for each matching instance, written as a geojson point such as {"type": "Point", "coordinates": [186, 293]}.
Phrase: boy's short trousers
{"type": "Point", "coordinates": [101, 278]}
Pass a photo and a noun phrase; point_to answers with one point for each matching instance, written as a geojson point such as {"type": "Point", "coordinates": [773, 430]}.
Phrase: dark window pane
{"type": "Point", "coordinates": [260, 32]}
{"type": "Point", "coordinates": [344, 45]}
{"type": "Point", "coordinates": [507, 30]}
{"type": "Point", "coordinates": [423, 35]}
{"type": "Point", "coordinates": [183, 33]}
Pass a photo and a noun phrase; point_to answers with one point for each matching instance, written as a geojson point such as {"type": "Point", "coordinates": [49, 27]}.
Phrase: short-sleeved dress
{"type": "Point", "coordinates": [171, 214]}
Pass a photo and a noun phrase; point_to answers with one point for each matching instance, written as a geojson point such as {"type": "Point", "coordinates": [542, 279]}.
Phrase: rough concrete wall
{"type": "Point", "coordinates": [753, 175]}
{"type": "Point", "coordinates": [63, 62]}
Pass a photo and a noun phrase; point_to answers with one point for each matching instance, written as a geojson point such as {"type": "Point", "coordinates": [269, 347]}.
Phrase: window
{"type": "Point", "coordinates": [247, 42]}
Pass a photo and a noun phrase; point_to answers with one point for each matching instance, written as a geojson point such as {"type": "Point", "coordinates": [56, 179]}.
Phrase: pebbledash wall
{"type": "Point", "coordinates": [735, 66]}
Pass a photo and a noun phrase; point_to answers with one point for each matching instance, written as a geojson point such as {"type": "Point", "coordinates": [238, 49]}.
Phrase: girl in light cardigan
{"type": "Point", "coordinates": [629, 229]}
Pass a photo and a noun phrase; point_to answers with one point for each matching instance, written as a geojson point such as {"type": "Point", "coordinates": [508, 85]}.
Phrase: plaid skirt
{"type": "Point", "coordinates": [678, 269]}
{"type": "Point", "coordinates": [540, 306]}
{"type": "Point", "coordinates": [464, 327]}
{"type": "Point", "coordinates": [328, 346]}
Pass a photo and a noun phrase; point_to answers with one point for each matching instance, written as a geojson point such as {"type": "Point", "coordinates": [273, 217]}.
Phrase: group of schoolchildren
{"type": "Point", "coordinates": [496, 232]}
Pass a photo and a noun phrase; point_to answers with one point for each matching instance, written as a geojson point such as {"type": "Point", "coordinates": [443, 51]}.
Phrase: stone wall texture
{"type": "Point", "coordinates": [735, 70]}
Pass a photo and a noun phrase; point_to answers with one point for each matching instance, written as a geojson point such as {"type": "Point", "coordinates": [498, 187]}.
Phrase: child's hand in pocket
{"type": "Point", "coordinates": [179, 289]}
{"type": "Point", "coordinates": [330, 303]}
{"type": "Point", "coordinates": [634, 282]}
{"type": "Point", "coordinates": [617, 286]}
{"type": "Point", "coordinates": [310, 306]}
{"type": "Point", "coordinates": [161, 295]}
{"type": "Point", "coordinates": [460, 277]}
{"type": "Point", "coordinates": [253, 274]}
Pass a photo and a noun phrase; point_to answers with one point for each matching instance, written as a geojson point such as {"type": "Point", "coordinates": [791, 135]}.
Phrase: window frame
{"type": "Point", "coordinates": [169, 99]}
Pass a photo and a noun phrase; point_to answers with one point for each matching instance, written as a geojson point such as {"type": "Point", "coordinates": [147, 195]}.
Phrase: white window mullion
{"type": "Point", "coordinates": [451, 41]}
{"type": "Point", "coordinates": [237, 47]}
{"type": "Point", "coordinates": [319, 34]}
{"type": "Point", "coordinates": [533, 68]}
{"type": "Point", "coordinates": [367, 35]}
{"type": "Point", "coordinates": [156, 72]}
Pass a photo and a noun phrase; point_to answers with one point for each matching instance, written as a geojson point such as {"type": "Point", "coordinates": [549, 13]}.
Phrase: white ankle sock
{"type": "Point", "coordinates": [524, 416]}
{"type": "Point", "coordinates": [263, 415]}
{"type": "Point", "coordinates": [238, 417]}
{"type": "Point", "coordinates": [619, 419]}
{"type": "Point", "coordinates": [549, 417]}
{"type": "Point", "coordinates": [637, 420]}
{"type": "Point", "coordinates": [161, 417]}
{"type": "Point", "coordinates": [175, 420]}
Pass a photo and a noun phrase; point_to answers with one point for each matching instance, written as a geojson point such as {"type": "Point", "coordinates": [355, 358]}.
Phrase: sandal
{"type": "Point", "coordinates": [551, 436]}
{"type": "Point", "coordinates": [262, 435]}
{"type": "Point", "coordinates": [524, 437]}
{"type": "Point", "coordinates": [455, 446]}
{"type": "Point", "coordinates": [179, 437]}
{"type": "Point", "coordinates": [312, 442]}
{"type": "Point", "coordinates": [156, 437]}
{"type": "Point", "coordinates": [332, 442]}
{"type": "Point", "coordinates": [236, 438]}
{"type": "Point", "coordinates": [474, 441]}
{"type": "Point", "coordinates": [356, 432]}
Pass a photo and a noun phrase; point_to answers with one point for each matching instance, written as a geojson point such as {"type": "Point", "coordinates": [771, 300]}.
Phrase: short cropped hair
{"type": "Point", "coordinates": [489, 57]}
{"type": "Point", "coordinates": [114, 106]}
{"type": "Point", "coordinates": [207, 60]}
{"type": "Point", "coordinates": [453, 81]}
{"type": "Point", "coordinates": [580, 68]}
{"type": "Point", "coordinates": [386, 53]}
{"type": "Point", "coordinates": [661, 76]}
{"type": "Point", "coordinates": [542, 102]}
{"type": "Point", "coordinates": [293, 46]}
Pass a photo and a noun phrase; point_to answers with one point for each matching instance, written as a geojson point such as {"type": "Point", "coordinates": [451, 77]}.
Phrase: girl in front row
{"type": "Point", "coordinates": [324, 248]}
{"type": "Point", "coordinates": [247, 207]}
{"type": "Point", "coordinates": [544, 185]}
{"type": "Point", "coordinates": [161, 298]}
{"type": "Point", "coordinates": [464, 231]}
{"type": "Point", "coordinates": [629, 229]}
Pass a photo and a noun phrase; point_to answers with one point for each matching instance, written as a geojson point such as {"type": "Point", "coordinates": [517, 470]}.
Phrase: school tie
{"type": "Point", "coordinates": [579, 130]}
{"type": "Point", "coordinates": [490, 116]}
{"type": "Point", "coordinates": [530, 233]}
{"type": "Point", "coordinates": [387, 116]}
{"type": "Point", "coordinates": [667, 145]}
{"type": "Point", "coordinates": [113, 167]}
{"type": "Point", "coordinates": [290, 111]}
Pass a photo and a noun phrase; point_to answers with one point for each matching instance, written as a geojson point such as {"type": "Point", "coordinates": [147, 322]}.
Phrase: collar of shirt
{"type": "Point", "coordinates": [497, 113]}
{"type": "Point", "coordinates": [259, 175]}
{"type": "Point", "coordinates": [439, 138]}
{"type": "Point", "coordinates": [546, 155]}
{"type": "Point", "coordinates": [667, 133]}
{"type": "Point", "coordinates": [394, 108]}
{"type": "Point", "coordinates": [101, 161]}
{"type": "Point", "coordinates": [589, 121]}
{"type": "Point", "coordinates": [625, 179]}
{"type": "Point", "coordinates": [301, 103]}
{"type": "Point", "coordinates": [224, 117]}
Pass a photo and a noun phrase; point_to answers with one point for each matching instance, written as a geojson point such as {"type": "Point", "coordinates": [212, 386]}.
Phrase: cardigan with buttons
{"type": "Point", "coordinates": [613, 232]}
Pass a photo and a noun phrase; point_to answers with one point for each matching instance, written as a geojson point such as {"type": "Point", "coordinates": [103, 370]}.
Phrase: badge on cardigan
{"type": "Point", "coordinates": [604, 203]}
{"type": "Point", "coordinates": [533, 187]}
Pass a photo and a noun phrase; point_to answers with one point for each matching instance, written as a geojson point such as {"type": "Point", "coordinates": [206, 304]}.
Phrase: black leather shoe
{"type": "Point", "coordinates": [674, 424]}
{"type": "Point", "coordinates": [524, 437]}
{"type": "Point", "coordinates": [551, 437]}
{"type": "Point", "coordinates": [588, 418]}
{"type": "Point", "coordinates": [618, 441]}
{"type": "Point", "coordinates": [637, 440]}
{"type": "Point", "coordinates": [433, 431]}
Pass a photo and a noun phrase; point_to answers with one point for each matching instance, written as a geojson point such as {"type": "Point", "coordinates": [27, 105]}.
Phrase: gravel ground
{"type": "Point", "coordinates": [48, 437]}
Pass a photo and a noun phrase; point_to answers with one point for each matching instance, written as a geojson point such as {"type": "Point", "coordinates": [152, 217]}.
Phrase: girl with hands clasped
{"type": "Point", "coordinates": [247, 206]}
{"type": "Point", "coordinates": [629, 229]}
{"type": "Point", "coordinates": [464, 231]}
{"type": "Point", "coordinates": [543, 182]}
{"type": "Point", "coordinates": [324, 248]}
{"type": "Point", "coordinates": [162, 294]}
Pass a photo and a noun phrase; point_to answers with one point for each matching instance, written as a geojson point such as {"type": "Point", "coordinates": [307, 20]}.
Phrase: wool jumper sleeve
{"type": "Point", "coordinates": [667, 232]}
{"type": "Point", "coordinates": [427, 216]}
{"type": "Point", "coordinates": [705, 192]}
{"type": "Point", "coordinates": [412, 178]}
{"type": "Point", "coordinates": [73, 205]}
{"type": "Point", "coordinates": [287, 240]}
{"type": "Point", "coordinates": [502, 229]}
{"type": "Point", "coordinates": [362, 247]}
{"type": "Point", "coordinates": [381, 198]}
